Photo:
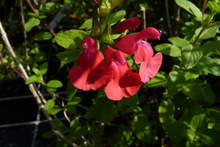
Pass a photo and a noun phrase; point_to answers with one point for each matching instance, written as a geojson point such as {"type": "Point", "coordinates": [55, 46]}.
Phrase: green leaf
{"type": "Point", "coordinates": [190, 74]}
{"type": "Point", "coordinates": [160, 80]}
{"type": "Point", "coordinates": [49, 105]}
{"type": "Point", "coordinates": [166, 112]}
{"type": "Point", "coordinates": [34, 79]}
{"type": "Point", "coordinates": [43, 68]}
{"type": "Point", "coordinates": [168, 49]}
{"type": "Point", "coordinates": [54, 84]}
{"type": "Point", "coordinates": [68, 56]}
{"type": "Point", "coordinates": [48, 134]}
{"type": "Point", "coordinates": [86, 24]}
{"type": "Point", "coordinates": [131, 101]}
{"type": "Point", "coordinates": [32, 14]}
{"type": "Point", "coordinates": [209, 95]}
{"type": "Point", "coordinates": [179, 42]}
{"type": "Point", "coordinates": [70, 39]}
{"type": "Point", "coordinates": [54, 110]}
{"type": "Point", "coordinates": [176, 130]}
{"type": "Point", "coordinates": [207, 33]}
{"type": "Point", "coordinates": [74, 101]}
{"type": "Point", "coordinates": [104, 110]}
{"type": "Point", "coordinates": [141, 128]}
{"type": "Point", "coordinates": [175, 81]}
{"type": "Point", "coordinates": [215, 8]}
{"type": "Point", "coordinates": [70, 91]}
{"type": "Point", "coordinates": [214, 112]}
{"type": "Point", "coordinates": [190, 134]}
{"type": "Point", "coordinates": [203, 139]}
{"type": "Point", "coordinates": [32, 22]}
{"type": "Point", "coordinates": [191, 55]}
{"type": "Point", "coordinates": [190, 7]}
{"type": "Point", "coordinates": [207, 65]}
{"type": "Point", "coordinates": [42, 36]}
{"type": "Point", "coordinates": [194, 91]}
{"type": "Point", "coordinates": [36, 71]}
{"type": "Point", "coordinates": [48, 7]}
{"type": "Point", "coordinates": [125, 137]}
{"type": "Point", "coordinates": [198, 122]}
{"type": "Point", "coordinates": [115, 17]}
{"type": "Point", "coordinates": [68, 2]}
{"type": "Point", "coordinates": [210, 46]}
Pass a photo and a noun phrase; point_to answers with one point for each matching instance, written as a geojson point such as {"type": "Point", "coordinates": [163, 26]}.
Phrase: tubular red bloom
{"type": "Point", "coordinates": [131, 23]}
{"type": "Point", "coordinates": [133, 44]}
{"type": "Point", "coordinates": [91, 71]}
{"type": "Point", "coordinates": [124, 83]}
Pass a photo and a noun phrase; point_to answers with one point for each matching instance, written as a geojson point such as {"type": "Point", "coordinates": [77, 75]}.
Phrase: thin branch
{"type": "Point", "coordinates": [204, 6]}
{"type": "Point", "coordinates": [168, 18]}
{"type": "Point", "coordinates": [143, 15]}
{"type": "Point", "coordinates": [32, 8]}
{"type": "Point", "coordinates": [32, 89]}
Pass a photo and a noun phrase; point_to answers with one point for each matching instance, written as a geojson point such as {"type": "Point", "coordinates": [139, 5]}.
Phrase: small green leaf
{"type": "Point", "coordinates": [131, 101]}
{"type": "Point", "coordinates": [68, 56]}
{"type": "Point", "coordinates": [210, 46]}
{"type": "Point", "coordinates": [159, 80]}
{"type": "Point", "coordinates": [48, 134]}
{"type": "Point", "coordinates": [104, 110]}
{"type": "Point", "coordinates": [194, 91]}
{"type": "Point", "coordinates": [43, 68]}
{"type": "Point", "coordinates": [190, 7]}
{"type": "Point", "coordinates": [141, 128]}
{"type": "Point", "coordinates": [214, 112]}
{"type": "Point", "coordinates": [70, 39]}
{"type": "Point", "coordinates": [125, 137]}
{"type": "Point", "coordinates": [70, 91]}
{"type": "Point", "coordinates": [86, 24]}
{"type": "Point", "coordinates": [207, 33]}
{"type": "Point", "coordinates": [34, 79]}
{"type": "Point", "coordinates": [32, 22]}
{"type": "Point", "coordinates": [49, 105]}
{"type": "Point", "coordinates": [198, 122]}
{"type": "Point", "coordinates": [36, 71]}
{"type": "Point", "coordinates": [175, 81]}
{"type": "Point", "coordinates": [56, 109]}
{"type": "Point", "coordinates": [42, 36]}
{"type": "Point", "coordinates": [1, 47]}
{"type": "Point", "coordinates": [191, 55]}
{"type": "Point", "coordinates": [166, 112]}
{"type": "Point", "coordinates": [54, 84]}
{"type": "Point", "coordinates": [168, 49]}
{"type": "Point", "coordinates": [203, 139]}
{"type": "Point", "coordinates": [207, 65]}
{"type": "Point", "coordinates": [48, 7]}
{"type": "Point", "coordinates": [215, 8]}
{"type": "Point", "coordinates": [114, 18]}
{"type": "Point", "coordinates": [179, 42]}
{"type": "Point", "coordinates": [74, 101]}
{"type": "Point", "coordinates": [32, 14]}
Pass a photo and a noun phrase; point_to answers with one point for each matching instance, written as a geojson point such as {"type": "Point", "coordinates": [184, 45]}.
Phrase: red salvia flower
{"type": "Point", "coordinates": [124, 83]}
{"type": "Point", "coordinates": [133, 44]}
{"type": "Point", "coordinates": [91, 71]}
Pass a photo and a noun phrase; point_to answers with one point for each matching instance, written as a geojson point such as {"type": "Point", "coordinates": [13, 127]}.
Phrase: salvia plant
{"type": "Point", "coordinates": [116, 80]}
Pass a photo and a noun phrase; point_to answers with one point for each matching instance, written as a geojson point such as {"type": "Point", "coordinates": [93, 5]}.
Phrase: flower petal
{"type": "Point", "coordinates": [131, 23]}
{"type": "Point", "coordinates": [149, 32]}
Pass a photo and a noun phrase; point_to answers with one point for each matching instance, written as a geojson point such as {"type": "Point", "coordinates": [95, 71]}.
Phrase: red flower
{"type": "Point", "coordinates": [133, 44]}
{"type": "Point", "coordinates": [131, 23]}
{"type": "Point", "coordinates": [124, 83]}
{"type": "Point", "coordinates": [91, 71]}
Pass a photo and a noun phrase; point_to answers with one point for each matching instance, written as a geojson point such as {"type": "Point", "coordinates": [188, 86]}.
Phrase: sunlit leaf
{"type": "Point", "coordinates": [159, 80]}
{"type": "Point", "coordinates": [166, 112]}
{"type": "Point", "coordinates": [49, 104]}
{"type": "Point", "coordinates": [34, 79]}
{"type": "Point", "coordinates": [179, 42]}
{"type": "Point", "coordinates": [32, 22]}
{"type": "Point", "coordinates": [54, 84]}
{"type": "Point", "coordinates": [70, 91]}
{"type": "Point", "coordinates": [114, 18]}
{"type": "Point", "coordinates": [42, 36]}
{"type": "Point", "coordinates": [86, 24]}
{"type": "Point", "coordinates": [168, 49]}
{"type": "Point", "coordinates": [48, 7]}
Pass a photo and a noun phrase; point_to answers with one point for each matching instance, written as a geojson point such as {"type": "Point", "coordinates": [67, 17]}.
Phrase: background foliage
{"type": "Point", "coordinates": [179, 107]}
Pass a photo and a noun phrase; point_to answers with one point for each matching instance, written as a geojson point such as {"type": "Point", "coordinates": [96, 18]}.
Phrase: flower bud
{"type": "Point", "coordinates": [104, 8]}
{"type": "Point", "coordinates": [114, 3]}
{"type": "Point", "coordinates": [106, 36]}
{"type": "Point", "coordinates": [95, 26]}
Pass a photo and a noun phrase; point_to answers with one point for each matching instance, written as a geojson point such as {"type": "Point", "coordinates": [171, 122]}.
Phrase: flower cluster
{"type": "Point", "coordinates": [109, 69]}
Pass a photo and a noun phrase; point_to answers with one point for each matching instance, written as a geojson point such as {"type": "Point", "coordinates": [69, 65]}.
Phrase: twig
{"type": "Point", "coordinates": [143, 15]}
{"type": "Point", "coordinates": [32, 8]}
{"type": "Point", "coordinates": [204, 6]}
{"type": "Point", "coordinates": [32, 89]}
{"type": "Point", "coordinates": [168, 18]}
